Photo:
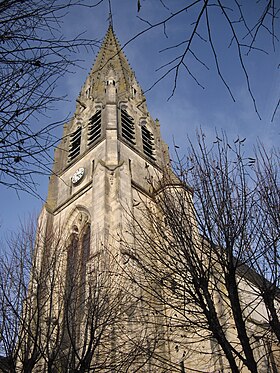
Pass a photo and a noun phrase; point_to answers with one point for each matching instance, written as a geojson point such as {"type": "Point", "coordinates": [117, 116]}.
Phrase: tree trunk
{"type": "Point", "coordinates": [268, 298]}
{"type": "Point", "coordinates": [238, 320]}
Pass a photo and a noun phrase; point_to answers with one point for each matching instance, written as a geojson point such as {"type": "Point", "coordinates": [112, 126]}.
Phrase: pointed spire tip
{"type": "Point", "coordinates": [110, 18]}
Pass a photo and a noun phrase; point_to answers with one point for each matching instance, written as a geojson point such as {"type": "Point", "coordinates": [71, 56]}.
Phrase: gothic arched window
{"type": "Point", "coordinates": [78, 252]}
{"type": "Point", "coordinates": [72, 257]}
{"type": "Point", "coordinates": [85, 252]}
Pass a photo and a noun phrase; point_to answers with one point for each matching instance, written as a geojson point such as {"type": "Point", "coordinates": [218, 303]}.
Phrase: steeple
{"type": "Point", "coordinates": [109, 162]}
{"type": "Point", "coordinates": [111, 67]}
{"type": "Point", "coordinates": [111, 126]}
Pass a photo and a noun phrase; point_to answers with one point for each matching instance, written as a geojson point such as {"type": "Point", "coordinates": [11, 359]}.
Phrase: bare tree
{"type": "Point", "coordinates": [34, 55]}
{"type": "Point", "coordinates": [28, 303]}
{"type": "Point", "coordinates": [263, 244]}
{"type": "Point", "coordinates": [64, 311]}
{"type": "Point", "coordinates": [247, 28]}
{"type": "Point", "coordinates": [212, 252]}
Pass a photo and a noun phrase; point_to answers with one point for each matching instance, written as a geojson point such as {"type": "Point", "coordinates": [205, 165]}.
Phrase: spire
{"type": "Point", "coordinates": [111, 64]}
{"type": "Point", "coordinates": [110, 18]}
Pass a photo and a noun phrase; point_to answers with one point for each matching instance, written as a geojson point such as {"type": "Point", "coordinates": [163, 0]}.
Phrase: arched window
{"type": "Point", "coordinates": [71, 289]}
{"type": "Point", "coordinates": [72, 256]}
{"type": "Point", "coordinates": [78, 253]}
{"type": "Point", "coordinates": [111, 82]}
{"type": "Point", "coordinates": [85, 253]}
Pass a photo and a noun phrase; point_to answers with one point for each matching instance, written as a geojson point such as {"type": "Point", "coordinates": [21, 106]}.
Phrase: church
{"type": "Point", "coordinates": [91, 305]}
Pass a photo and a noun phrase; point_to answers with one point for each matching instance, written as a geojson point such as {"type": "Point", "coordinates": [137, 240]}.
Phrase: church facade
{"type": "Point", "coordinates": [88, 289]}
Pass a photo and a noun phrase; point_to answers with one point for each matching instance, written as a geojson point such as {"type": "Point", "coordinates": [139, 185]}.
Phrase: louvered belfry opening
{"type": "Point", "coordinates": [94, 128]}
{"type": "Point", "coordinates": [75, 144]}
{"type": "Point", "coordinates": [148, 143]}
{"type": "Point", "coordinates": [128, 129]}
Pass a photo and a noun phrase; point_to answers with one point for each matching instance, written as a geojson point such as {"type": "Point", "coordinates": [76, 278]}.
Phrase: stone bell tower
{"type": "Point", "coordinates": [88, 309]}
{"type": "Point", "coordinates": [109, 160]}
{"type": "Point", "coordinates": [110, 151]}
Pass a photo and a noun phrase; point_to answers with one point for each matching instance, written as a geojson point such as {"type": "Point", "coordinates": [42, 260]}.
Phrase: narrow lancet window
{"type": "Point", "coordinates": [72, 264]}
{"type": "Point", "coordinates": [77, 258]}
{"type": "Point", "coordinates": [94, 128]}
{"type": "Point", "coordinates": [148, 143]}
{"type": "Point", "coordinates": [85, 254]}
{"type": "Point", "coordinates": [75, 144]}
{"type": "Point", "coordinates": [128, 129]}
{"type": "Point", "coordinates": [86, 245]}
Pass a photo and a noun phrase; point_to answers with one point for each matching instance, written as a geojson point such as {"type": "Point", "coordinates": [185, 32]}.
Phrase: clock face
{"type": "Point", "coordinates": [78, 175]}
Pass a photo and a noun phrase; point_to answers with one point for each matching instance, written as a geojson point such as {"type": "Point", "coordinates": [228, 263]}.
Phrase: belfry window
{"type": "Point", "coordinates": [128, 129]}
{"type": "Point", "coordinates": [75, 144]}
{"type": "Point", "coordinates": [94, 127]}
{"type": "Point", "coordinates": [148, 143]}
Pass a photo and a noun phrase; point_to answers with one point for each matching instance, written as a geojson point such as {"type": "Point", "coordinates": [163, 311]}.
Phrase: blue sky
{"type": "Point", "coordinates": [191, 107]}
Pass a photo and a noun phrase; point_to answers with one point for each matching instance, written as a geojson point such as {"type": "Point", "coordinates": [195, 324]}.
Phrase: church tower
{"type": "Point", "coordinates": [109, 161]}
{"type": "Point", "coordinates": [110, 149]}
